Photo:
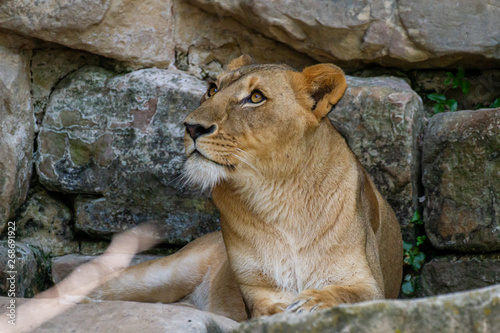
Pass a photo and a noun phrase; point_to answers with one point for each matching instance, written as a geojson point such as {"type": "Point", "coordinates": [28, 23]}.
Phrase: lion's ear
{"type": "Point", "coordinates": [239, 62]}
{"type": "Point", "coordinates": [327, 85]}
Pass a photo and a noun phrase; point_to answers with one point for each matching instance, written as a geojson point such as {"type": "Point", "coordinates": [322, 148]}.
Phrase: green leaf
{"type": "Point", "coordinates": [416, 219]}
{"type": "Point", "coordinates": [408, 277]}
{"type": "Point", "coordinates": [447, 81]}
{"type": "Point", "coordinates": [417, 261]}
{"type": "Point", "coordinates": [460, 73]}
{"type": "Point", "coordinates": [437, 97]}
{"type": "Point", "coordinates": [407, 246]}
{"type": "Point", "coordinates": [407, 288]}
{"type": "Point", "coordinates": [465, 87]}
{"type": "Point", "coordinates": [480, 106]}
{"type": "Point", "coordinates": [495, 104]}
{"type": "Point", "coordinates": [456, 82]}
{"type": "Point", "coordinates": [452, 104]}
{"type": "Point", "coordinates": [438, 108]}
{"type": "Point", "coordinates": [420, 240]}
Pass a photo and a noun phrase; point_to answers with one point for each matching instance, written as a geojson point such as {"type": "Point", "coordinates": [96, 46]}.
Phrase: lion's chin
{"type": "Point", "coordinates": [202, 173]}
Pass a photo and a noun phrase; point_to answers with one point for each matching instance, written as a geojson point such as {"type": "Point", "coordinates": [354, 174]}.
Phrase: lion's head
{"type": "Point", "coordinates": [256, 118]}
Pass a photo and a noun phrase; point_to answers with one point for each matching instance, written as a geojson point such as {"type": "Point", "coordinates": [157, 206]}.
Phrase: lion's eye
{"type": "Point", "coordinates": [212, 90]}
{"type": "Point", "coordinates": [256, 97]}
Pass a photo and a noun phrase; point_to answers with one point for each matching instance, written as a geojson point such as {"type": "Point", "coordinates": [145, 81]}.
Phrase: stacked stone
{"type": "Point", "coordinates": [93, 95]}
{"type": "Point", "coordinates": [461, 177]}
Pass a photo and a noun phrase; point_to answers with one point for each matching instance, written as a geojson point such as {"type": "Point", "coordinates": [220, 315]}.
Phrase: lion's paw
{"type": "Point", "coordinates": [310, 300]}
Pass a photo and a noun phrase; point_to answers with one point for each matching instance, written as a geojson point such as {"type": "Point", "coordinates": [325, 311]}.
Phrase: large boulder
{"type": "Point", "coordinates": [396, 33]}
{"type": "Point", "coordinates": [160, 33]}
{"type": "Point", "coordinates": [452, 273]}
{"type": "Point", "coordinates": [16, 124]}
{"type": "Point", "coordinates": [145, 34]}
{"type": "Point", "coordinates": [473, 311]}
{"type": "Point", "coordinates": [117, 316]}
{"type": "Point", "coordinates": [116, 141]}
{"type": "Point", "coordinates": [126, 30]}
{"type": "Point", "coordinates": [461, 176]}
{"type": "Point", "coordinates": [460, 30]}
{"type": "Point", "coordinates": [381, 119]}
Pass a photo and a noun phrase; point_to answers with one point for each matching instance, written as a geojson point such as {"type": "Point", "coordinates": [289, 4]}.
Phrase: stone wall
{"type": "Point", "coordinates": [93, 95]}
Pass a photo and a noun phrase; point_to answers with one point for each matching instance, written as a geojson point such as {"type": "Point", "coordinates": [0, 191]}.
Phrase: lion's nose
{"type": "Point", "coordinates": [197, 130]}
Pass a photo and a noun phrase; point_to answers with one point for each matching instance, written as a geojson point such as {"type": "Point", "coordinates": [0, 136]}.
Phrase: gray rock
{"type": "Point", "coordinates": [454, 273]}
{"type": "Point", "coordinates": [395, 33]}
{"type": "Point", "coordinates": [28, 16]}
{"type": "Point", "coordinates": [453, 27]}
{"type": "Point", "coordinates": [125, 317]}
{"type": "Point", "coordinates": [205, 43]}
{"type": "Point", "coordinates": [48, 66]}
{"type": "Point", "coordinates": [461, 176]}
{"type": "Point", "coordinates": [63, 266]}
{"type": "Point", "coordinates": [473, 311]}
{"type": "Point", "coordinates": [45, 222]}
{"type": "Point", "coordinates": [140, 34]}
{"type": "Point", "coordinates": [381, 119]}
{"type": "Point", "coordinates": [117, 141]}
{"type": "Point", "coordinates": [16, 124]}
{"type": "Point", "coordinates": [29, 269]}
{"type": "Point", "coordinates": [93, 248]}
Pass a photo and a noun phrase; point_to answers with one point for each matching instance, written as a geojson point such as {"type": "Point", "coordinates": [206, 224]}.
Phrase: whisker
{"type": "Point", "coordinates": [241, 158]}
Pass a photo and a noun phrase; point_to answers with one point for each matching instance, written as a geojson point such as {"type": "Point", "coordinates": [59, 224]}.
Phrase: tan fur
{"type": "Point", "coordinates": [302, 223]}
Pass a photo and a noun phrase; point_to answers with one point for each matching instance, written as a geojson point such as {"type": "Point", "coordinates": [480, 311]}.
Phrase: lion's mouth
{"type": "Point", "coordinates": [197, 154]}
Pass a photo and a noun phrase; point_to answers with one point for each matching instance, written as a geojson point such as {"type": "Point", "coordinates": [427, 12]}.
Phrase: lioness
{"type": "Point", "coordinates": [302, 225]}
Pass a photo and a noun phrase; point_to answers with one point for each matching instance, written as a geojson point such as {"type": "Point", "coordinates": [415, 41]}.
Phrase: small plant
{"type": "Point", "coordinates": [408, 286]}
{"type": "Point", "coordinates": [442, 103]}
{"type": "Point", "coordinates": [494, 105]}
{"type": "Point", "coordinates": [416, 218]}
{"type": "Point", "coordinates": [413, 257]}
{"type": "Point", "coordinates": [457, 81]}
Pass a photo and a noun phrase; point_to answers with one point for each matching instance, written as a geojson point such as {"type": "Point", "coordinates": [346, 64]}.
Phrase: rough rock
{"type": "Point", "coordinates": [394, 33]}
{"type": "Point", "coordinates": [208, 42]}
{"type": "Point", "coordinates": [452, 273]}
{"type": "Point", "coordinates": [146, 34]}
{"type": "Point", "coordinates": [48, 66]}
{"type": "Point", "coordinates": [473, 311]}
{"type": "Point", "coordinates": [63, 266]}
{"type": "Point", "coordinates": [124, 317]}
{"type": "Point", "coordinates": [150, 33]}
{"type": "Point", "coordinates": [461, 176]}
{"type": "Point", "coordinates": [93, 248]}
{"type": "Point", "coordinates": [117, 142]}
{"type": "Point", "coordinates": [45, 222]}
{"type": "Point", "coordinates": [136, 32]}
{"type": "Point", "coordinates": [29, 267]}
{"type": "Point", "coordinates": [453, 27]}
{"type": "Point", "coordinates": [381, 119]}
{"type": "Point", "coordinates": [16, 124]}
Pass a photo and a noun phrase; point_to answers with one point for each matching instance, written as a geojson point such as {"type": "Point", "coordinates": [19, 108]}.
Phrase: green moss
{"type": "Point", "coordinates": [52, 143]}
{"type": "Point", "coordinates": [71, 118]}
{"type": "Point", "coordinates": [80, 152]}
{"type": "Point", "coordinates": [100, 150]}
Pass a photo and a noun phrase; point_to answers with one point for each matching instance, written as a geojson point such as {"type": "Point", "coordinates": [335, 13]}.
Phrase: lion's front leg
{"type": "Point", "coordinates": [330, 296]}
{"type": "Point", "coordinates": [265, 301]}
